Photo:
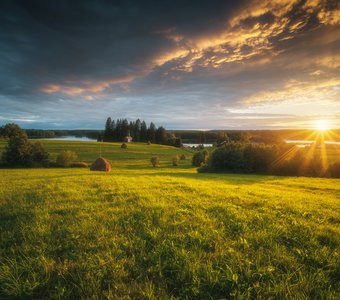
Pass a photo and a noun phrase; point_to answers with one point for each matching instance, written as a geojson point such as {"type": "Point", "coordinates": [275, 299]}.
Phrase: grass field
{"type": "Point", "coordinates": [158, 233]}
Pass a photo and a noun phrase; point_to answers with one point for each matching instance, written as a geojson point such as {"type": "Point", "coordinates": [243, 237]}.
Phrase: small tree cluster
{"type": "Point", "coordinates": [199, 158]}
{"type": "Point", "coordinates": [66, 158]}
{"type": "Point", "coordinates": [117, 131]}
{"type": "Point", "coordinates": [20, 151]}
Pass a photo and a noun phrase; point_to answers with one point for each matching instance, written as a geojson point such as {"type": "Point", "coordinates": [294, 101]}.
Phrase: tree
{"type": "Point", "coordinates": [143, 132]}
{"type": "Point", "coordinates": [125, 130]}
{"type": "Point", "coordinates": [201, 137]}
{"type": "Point", "coordinates": [39, 154]}
{"type": "Point", "coordinates": [200, 158]}
{"type": "Point", "coordinates": [221, 138]}
{"type": "Point", "coordinates": [152, 133]}
{"type": "Point", "coordinates": [137, 130]}
{"type": "Point", "coordinates": [161, 135]}
{"type": "Point", "coordinates": [154, 161]}
{"type": "Point", "coordinates": [18, 151]}
{"type": "Point", "coordinates": [108, 132]}
{"type": "Point", "coordinates": [11, 130]}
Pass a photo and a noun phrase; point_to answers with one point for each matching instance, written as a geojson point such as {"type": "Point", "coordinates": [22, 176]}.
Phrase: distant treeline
{"type": "Point", "coordinates": [281, 159]}
{"type": "Point", "coordinates": [50, 133]}
{"type": "Point", "coordinates": [256, 136]}
{"type": "Point", "coordinates": [121, 130]}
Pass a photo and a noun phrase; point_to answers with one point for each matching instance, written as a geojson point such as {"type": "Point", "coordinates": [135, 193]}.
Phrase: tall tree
{"type": "Point", "coordinates": [161, 135]}
{"type": "Point", "coordinates": [136, 130]}
{"type": "Point", "coordinates": [143, 132]}
{"type": "Point", "coordinates": [152, 133]}
{"type": "Point", "coordinates": [108, 132]}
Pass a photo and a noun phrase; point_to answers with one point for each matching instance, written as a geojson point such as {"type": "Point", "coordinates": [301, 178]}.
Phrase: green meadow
{"type": "Point", "coordinates": [168, 232]}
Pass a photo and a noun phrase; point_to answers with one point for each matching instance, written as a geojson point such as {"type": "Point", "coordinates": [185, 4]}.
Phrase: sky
{"type": "Point", "coordinates": [265, 64]}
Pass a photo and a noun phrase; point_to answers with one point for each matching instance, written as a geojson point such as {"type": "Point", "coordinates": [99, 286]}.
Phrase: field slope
{"type": "Point", "coordinates": [168, 232]}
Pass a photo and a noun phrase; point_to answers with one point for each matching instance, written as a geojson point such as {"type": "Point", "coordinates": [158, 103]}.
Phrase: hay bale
{"type": "Point", "coordinates": [123, 146]}
{"type": "Point", "coordinates": [101, 164]}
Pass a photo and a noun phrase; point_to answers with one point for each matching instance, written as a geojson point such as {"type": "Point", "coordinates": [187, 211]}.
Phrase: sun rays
{"type": "Point", "coordinates": [314, 150]}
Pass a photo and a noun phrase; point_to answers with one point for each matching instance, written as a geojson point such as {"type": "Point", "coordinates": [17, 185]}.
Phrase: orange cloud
{"type": "Point", "coordinates": [86, 86]}
{"type": "Point", "coordinates": [326, 91]}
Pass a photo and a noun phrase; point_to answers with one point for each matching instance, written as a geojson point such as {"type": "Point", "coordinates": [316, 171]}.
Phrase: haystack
{"type": "Point", "coordinates": [101, 164]}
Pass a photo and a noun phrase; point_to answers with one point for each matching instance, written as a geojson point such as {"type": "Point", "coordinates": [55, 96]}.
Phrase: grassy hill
{"type": "Point", "coordinates": [148, 233]}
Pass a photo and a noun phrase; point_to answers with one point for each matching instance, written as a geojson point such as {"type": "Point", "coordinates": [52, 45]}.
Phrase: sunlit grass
{"type": "Point", "coordinates": [157, 233]}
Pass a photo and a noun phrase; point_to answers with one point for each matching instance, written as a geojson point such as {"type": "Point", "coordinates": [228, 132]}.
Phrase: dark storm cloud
{"type": "Point", "coordinates": [170, 61]}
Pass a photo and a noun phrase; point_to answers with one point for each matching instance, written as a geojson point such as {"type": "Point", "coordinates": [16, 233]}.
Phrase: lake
{"type": "Point", "coordinates": [70, 138]}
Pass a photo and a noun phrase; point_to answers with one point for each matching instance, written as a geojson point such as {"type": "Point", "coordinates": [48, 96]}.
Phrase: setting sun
{"type": "Point", "coordinates": [321, 125]}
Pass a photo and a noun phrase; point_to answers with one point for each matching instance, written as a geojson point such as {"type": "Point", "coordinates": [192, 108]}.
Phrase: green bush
{"type": "Point", "coordinates": [65, 158]}
{"type": "Point", "coordinates": [200, 158]}
{"type": "Point", "coordinates": [39, 154]}
{"type": "Point", "coordinates": [259, 157]}
{"type": "Point", "coordinates": [227, 158]}
{"type": "Point", "coordinates": [154, 161]}
{"type": "Point", "coordinates": [175, 160]}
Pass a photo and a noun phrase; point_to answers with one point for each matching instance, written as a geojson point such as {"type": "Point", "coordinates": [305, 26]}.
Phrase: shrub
{"type": "Point", "coordinates": [124, 146]}
{"type": "Point", "coordinates": [79, 164]}
{"type": "Point", "coordinates": [334, 169]}
{"type": "Point", "coordinates": [227, 158]}
{"type": "Point", "coordinates": [18, 151]}
{"type": "Point", "coordinates": [259, 157]}
{"type": "Point", "coordinates": [65, 158]}
{"type": "Point", "coordinates": [154, 161]}
{"type": "Point", "coordinates": [199, 158]}
{"type": "Point", "coordinates": [175, 160]}
{"type": "Point", "coordinates": [39, 154]}
{"type": "Point", "coordinates": [182, 157]}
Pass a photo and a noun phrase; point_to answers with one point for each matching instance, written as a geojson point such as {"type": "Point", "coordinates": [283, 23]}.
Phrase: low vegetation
{"type": "Point", "coordinates": [279, 159]}
{"type": "Point", "coordinates": [65, 158]}
{"type": "Point", "coordinates": [160, 233]}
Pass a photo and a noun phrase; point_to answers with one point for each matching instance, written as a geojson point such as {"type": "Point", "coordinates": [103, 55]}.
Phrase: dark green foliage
{"type": "Point", "coordinates": [239, 136]}
{"type": "Point", "coordinates": [334, 170]}
{"type": "Point", "coordinates": [18, 151]}
{"type": "Point", "coordinates": [201, 138]}
{"type": "Point", "coordinates": [221, 138]}
{"type": "Point", "coordinates": [161, 135]}
{"type": "Point", "coordinates": [259, 157]}
{"type": "Point", "coordinates": [228, 157]}
{"type": "Point", "coordinates": [11, 130]}
{"type": "Point", "coordinates": [143, 132]}
{"type": "Point", "coordinates": [109, 131]}
{"type": "Point", "coordinates": [119, 130]}
{"type": "Point", "coordinates": [65, 158]}
{"type": "Point", "coordinates": [200, 158]}
{"type": "Point", "coordinates": [152, 133]}
{"type": "Point", "coordinates": [39, 154]}
{"type": "Point", "coordinates": [154, 161]}
{"type": "Point", "coordinates": [266, 159]}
